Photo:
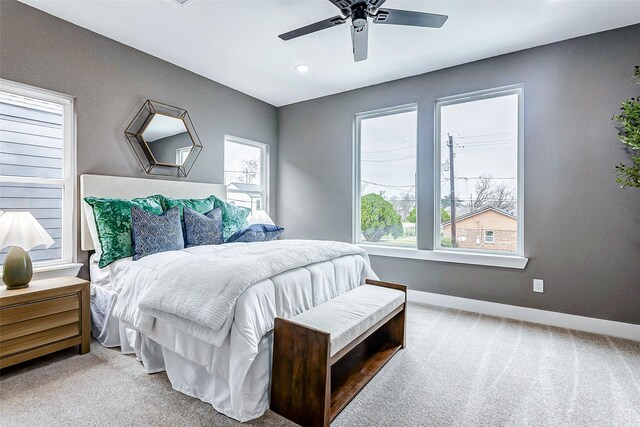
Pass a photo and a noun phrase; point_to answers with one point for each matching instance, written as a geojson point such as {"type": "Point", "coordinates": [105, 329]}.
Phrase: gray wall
{"type": "Point", "coordinates": [582, 233]}
{"type": "Point", "coordinates": [111, 81]}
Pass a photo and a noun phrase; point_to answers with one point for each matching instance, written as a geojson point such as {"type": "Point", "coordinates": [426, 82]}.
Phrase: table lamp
{"type": "Point", "coordinates": [259, 217]}
{"type": "Point", "coordinates": [22, 232]}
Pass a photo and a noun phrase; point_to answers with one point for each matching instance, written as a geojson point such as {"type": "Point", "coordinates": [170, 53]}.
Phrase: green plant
{"type": "Point", "coordinates": [629, 134]}
{"type": "Point", "coordinates": [378, 218]}
{"type": "Point", "coordinates": [412, 216]}
{"type": "Point", "coordinates": [444, 216]}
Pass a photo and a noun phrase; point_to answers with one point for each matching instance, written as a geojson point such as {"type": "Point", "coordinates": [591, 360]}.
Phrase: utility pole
{"type": "Point", "coordinates": [452, 194]}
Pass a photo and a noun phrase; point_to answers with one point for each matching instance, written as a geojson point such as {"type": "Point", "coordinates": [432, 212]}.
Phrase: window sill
{"type": "Point", "coordinates": [56, 270]}
{"type": "Point", "coordinates": [488, 260]}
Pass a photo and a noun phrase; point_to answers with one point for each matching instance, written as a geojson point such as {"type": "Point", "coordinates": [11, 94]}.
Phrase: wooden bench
{"type": "Point", "coordinates": [323, 357]}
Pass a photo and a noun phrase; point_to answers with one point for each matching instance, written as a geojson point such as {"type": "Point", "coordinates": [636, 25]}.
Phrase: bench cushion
{"type": "Point", "coordinates": [352, 313]}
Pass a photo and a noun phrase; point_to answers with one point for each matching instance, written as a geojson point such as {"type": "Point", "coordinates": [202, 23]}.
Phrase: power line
{"type": "Point", "coordinates": [486, 135]}
{"type": "Point", "coordinates": [459, 199]}
{"type": "Point", "coordinates": [388, 185]}
{"type": "Point", "coordinates": [479, 136]}
{"type": "Point", "coordinates": [484, 145]}
{"type": "Point", "coordinates": [393, 188]}
{"type": "Point", "coordinates": [484, 177]}
{"type": "Point", "coordinates": [388, 151]}
{"type": "Point", "coordinates": [481, 143]}
{"type": "Point", "coordinates": [391, 160]}
{"type": "Point", "coordinates": [490, 140]}
{"type": "Point", "coordinates": [399, 199]}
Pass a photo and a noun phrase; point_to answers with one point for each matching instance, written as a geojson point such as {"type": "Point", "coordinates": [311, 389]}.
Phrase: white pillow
{"type": "Point", "coordinates": [93, 229]}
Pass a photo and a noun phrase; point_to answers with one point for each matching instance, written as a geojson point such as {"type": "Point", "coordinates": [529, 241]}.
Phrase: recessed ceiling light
{"type": "Point", "coordinates": [302, 68]}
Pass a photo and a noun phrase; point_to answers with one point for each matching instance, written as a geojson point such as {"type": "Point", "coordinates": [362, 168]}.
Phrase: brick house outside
{"type": "Point", "coordinates": [488, 228]}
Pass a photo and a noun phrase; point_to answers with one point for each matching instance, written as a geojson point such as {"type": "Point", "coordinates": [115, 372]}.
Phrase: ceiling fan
{"type": "Point", "coordinates": [359, 11]}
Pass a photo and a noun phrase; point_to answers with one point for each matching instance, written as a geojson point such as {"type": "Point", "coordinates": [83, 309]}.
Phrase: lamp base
{"type": "Point", "coordinates": [17, 287]}
{"type": "Point", "coordinates": [17, 270]}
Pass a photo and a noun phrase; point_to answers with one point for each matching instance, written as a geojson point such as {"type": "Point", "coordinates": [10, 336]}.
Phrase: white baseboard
{"type": "Point", "coordinates": [552, 318]}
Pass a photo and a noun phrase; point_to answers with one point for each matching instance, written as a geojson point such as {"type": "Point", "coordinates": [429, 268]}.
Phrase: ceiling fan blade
{"type": "Point", "coordinates": [346, 5]}
{"type": "Point", "coordinates": [343, 5]}
{"type": "Point", "coordinates": [312, 28]}
{"type": "Point", "coordinates": [375, 4]}
{"type": "Point", "coordinates": [359, 38]}
{"type": "Point", "coordinates": [407, 17]}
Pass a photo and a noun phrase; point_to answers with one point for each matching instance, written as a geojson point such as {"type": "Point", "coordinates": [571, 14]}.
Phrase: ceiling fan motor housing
{"type": "Point", "coordinates": [359, 15]}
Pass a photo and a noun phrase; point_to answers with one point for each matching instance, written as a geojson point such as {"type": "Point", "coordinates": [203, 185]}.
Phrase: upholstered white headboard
{"type": "Point", "coordinates": [130, 188]}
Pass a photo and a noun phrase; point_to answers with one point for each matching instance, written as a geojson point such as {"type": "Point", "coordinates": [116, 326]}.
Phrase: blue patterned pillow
{"type": "Point", "coordinates": [256, 233]}
{"type": "Point", "coordinates": [202, 229]}
{"type": "Point", "coordinates": [155, 233]}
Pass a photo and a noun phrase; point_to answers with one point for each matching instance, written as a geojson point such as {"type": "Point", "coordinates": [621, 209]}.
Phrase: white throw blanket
{"type": "Point", "coordinates": [204, 290]}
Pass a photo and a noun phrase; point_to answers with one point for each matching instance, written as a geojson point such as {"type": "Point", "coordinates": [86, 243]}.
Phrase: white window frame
{"type": "Point", "coordinates": [493, 236]}
{"type": "Point", "coordinates": [181, 154]}
{"type": "Point", "coordinates": [517, 89]}
{"type": "Point", "coordinates": [264, 167]}
{"type": "Point", "coordinates": [67, 182]}
{"type": "Point", "coordinates": [356, 193]}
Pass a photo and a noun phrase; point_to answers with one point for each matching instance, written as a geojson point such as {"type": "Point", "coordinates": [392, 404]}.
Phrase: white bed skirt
{"type": "Point", "coordinates": [233, 376]}
{"type": "Point", "coordinates": [186, 360]}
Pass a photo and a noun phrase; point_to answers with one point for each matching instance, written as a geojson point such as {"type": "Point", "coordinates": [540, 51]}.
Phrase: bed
{"type": "Point", "coordinates": [228, 367]}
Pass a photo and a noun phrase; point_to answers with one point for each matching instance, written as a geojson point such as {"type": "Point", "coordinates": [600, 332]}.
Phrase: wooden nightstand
{"type": "Point", "coordinates": [48, 316]}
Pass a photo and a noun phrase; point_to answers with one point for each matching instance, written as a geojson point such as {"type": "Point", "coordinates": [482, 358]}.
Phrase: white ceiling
{"type": "Point", "coordinates": [234, 42]}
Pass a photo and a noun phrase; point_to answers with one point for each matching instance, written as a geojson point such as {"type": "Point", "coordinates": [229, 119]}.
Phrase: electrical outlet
{"type": "Point", "coordinates": [538, 285]}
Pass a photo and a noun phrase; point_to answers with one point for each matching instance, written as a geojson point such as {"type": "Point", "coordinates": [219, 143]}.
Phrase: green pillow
{"type": "Point", "coordinates": [113, 222]}
{"type": "Point", "coordinates": [199, 205]}
{"type": "Point", "coordinates": [233, 218]}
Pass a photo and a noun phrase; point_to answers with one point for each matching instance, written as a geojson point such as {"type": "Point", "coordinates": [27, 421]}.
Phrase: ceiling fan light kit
{"type": "Point", "coordinates": [359, 11]}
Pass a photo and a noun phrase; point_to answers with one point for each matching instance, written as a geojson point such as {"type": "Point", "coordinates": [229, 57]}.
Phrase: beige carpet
{"type": "Point", "coordinates": [458, 369]}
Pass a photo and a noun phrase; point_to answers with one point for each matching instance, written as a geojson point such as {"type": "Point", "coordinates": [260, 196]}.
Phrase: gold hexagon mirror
{"type": "Point", "coordinates": [164, 139]}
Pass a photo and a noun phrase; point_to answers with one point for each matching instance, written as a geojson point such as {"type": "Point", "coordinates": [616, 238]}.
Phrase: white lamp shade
{"type": "Point", "coordinates": [23, 230]}
{"type": "Point", "coordinates": [259, 217]}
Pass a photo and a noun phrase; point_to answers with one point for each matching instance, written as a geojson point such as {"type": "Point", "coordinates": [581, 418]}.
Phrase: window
{"type": "Point", "coordinates": [246, 173]}
{"type": "Point", "coordinates": [479, 169]}
{"type": "Point", "coordinates": [37, 165]}
{"type": "Point", "coordinates": [488, 236]}
{"type": "Point", "coordinates": [385, 177]}
{"type": "Point", "coordinates": [182, 154]}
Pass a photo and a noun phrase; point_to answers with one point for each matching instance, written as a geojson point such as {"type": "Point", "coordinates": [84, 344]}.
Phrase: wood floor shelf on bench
{"type": "Point", "coordinates": [322, 358]}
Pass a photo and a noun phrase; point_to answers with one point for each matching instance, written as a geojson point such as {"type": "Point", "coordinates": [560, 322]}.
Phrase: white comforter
{"type": "Point", "coordinates": [203, 290]}
{"type": "Point", "coordinates": [234, 350]}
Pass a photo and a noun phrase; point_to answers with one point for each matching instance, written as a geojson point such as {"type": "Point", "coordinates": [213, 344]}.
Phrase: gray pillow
{"type": "Point", "coordinates": [203, 229]}
{"type": "Point", "coordinates": [155, 233]}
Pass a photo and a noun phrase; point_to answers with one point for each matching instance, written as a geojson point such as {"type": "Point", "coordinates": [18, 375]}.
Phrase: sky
{"type": "Point", "coordinates": [485, 142]}
{"type": "Point", "coordinates": [234, 154]}
{"type": "Point", "coordinates": [388, 154]}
